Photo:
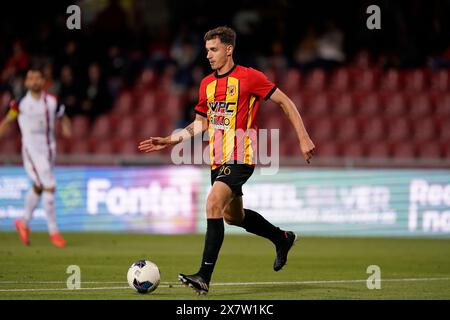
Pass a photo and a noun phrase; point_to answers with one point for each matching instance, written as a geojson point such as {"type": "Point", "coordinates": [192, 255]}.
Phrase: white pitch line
{"type": "Point", "coordinates": [176, 284]}
{"type": "Point", "coordinates": [322, 282]}
{"type": "Point", "coordinates": [62, 289]}
{"type": "Point", "coordinates": [58, 282]}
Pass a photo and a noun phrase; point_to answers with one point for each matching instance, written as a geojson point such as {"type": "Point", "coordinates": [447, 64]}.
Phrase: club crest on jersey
{"type": "Point", "coordinates": [231, 90]}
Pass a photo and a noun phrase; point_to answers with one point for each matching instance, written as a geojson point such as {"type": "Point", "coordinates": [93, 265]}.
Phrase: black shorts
{"type": "Point", "coordinates": [233, 175]}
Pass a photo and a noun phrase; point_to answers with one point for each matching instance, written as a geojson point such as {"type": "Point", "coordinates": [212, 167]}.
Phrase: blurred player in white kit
{"type": "Point", "coordinates": [36, 113]}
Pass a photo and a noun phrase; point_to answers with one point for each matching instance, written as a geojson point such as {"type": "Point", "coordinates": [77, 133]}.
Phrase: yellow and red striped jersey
{"type": "Point", "coordinates": [230, 102]}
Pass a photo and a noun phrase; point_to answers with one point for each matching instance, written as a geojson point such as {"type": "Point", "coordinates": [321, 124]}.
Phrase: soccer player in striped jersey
{"type": "Point", "coordinates": [36, 113]}
{"type": "Point", "coordinates": [228, 103]}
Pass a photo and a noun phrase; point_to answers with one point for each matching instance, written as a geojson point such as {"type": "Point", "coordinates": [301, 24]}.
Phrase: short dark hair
{"type": "Point", "coordinates": [36, 68]}
{"type": "Point", "coordinates": [224, 33]}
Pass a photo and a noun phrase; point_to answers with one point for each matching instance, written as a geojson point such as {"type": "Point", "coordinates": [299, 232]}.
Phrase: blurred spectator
{"type": "Point", "coordinates": [69, 92]}
{"type": "Point", "coordinates": [330, 46]}
{"type": "Point", "coordinates": [306, 52]}
{"type": "Point", "coordinates": [159, 50]}
{"type": "Point", "coordinates": [71, 56]}
{"type": "Point", "coordinates": [188, 114]}
{"type": "Point", "coordinates": [12, 82]}
{"type": "Point", "coordinates": [96, 97]}
{"type": "Point", "coordinates": [185, 51]}
{"type": "Point", "coordinates": [111, 23]}
{"type": "Point", "coordinates": [19, 61]}
{"type": "Point", "coordinates": [52, 85]}
{"type": "Point", "coordinates": [440, 60]}
{"type": "Point", "coordinates": [115, 69]}
{"type": "Point", "coordinates": [276, 61]}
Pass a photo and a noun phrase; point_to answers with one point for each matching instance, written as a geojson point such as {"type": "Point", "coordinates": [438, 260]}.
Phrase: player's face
{"type": "Point", "coordinates": [217, 53]}
{"type": "Point", "coordinates": [34, 81]}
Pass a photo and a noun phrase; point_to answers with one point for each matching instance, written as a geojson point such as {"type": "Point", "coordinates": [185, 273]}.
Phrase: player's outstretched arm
{"type": "Point", "coordinates": [306, 145]}
{"type": "Point", "coordinates": [199, 125]}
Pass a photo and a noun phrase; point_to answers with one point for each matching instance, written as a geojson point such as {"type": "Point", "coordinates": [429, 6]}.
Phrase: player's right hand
{"type": "Point", "coordinates": [307, 147]}
{"type": "Point", "coordinates": [154, 144]}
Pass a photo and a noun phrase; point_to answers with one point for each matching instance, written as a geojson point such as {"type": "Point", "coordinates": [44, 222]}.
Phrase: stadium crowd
{"type": "Point", "coordinates": [381, 89]}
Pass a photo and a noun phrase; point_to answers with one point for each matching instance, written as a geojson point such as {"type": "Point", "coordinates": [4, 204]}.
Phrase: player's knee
{"type": "Point", "coordinates": [213, 207]}
{"type": "Point", "coordinates": [37, 189]}
{"type": "Point", "coordinates": [232, 220]}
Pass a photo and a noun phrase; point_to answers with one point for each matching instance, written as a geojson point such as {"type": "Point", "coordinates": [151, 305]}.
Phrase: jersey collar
{"type": "Point", "coordinates": [225, 74]}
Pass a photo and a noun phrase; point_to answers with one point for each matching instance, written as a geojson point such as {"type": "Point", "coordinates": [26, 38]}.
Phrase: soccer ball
{"type": "Point", "coordinates": [143, 276]}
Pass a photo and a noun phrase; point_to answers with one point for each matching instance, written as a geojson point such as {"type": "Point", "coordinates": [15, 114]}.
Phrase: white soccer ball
{"type": "Point", "coordinates": [143, 276]}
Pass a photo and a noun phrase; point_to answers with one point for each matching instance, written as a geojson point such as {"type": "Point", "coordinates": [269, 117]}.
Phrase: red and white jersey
{"type": "Point", "coordinates": [36, 118]}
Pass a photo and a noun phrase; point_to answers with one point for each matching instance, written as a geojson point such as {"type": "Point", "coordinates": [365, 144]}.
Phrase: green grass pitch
{"type": "Point", "coordinates": [318, 268]}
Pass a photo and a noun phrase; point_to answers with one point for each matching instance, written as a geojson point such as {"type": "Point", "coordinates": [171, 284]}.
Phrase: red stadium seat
{"type": "Point", "coordinates": [289, 147]}
{"type": "Point", "coordinates": [399, 130]}
{"type": "Point", "coordinates": [440, 81]}
{"type": "Point", "coordinates": [445, 147]}
{"type": "Point", "coordinates": [150, 127]}
{"type": "Point", "coordinates": [327, 149]}
{"type": "Point", "coordinates": [373, 130]}
{"type": "Point", "coordinates": [80, 127]}
{"type": "Point", "coordinates": [342, 105]}
{"type": "Point", "coordinates": [362, 59]}
{"type": "Point", "coordinates": [12, 131]}
{"type": "Point", "coordinates": [340, 80]}
{"type": "Point", "coordinates": [63, 145]}
{"type": "Point", "coordinates": [166, 124]}
{"type": "Point", "coordinates": [147, 105]}
{"type": "Point", "coordinates": [444, 130]}
{"type": "Point", "coordinates": [404, 150]}
{"type": "Point", "coordinates": [316, 80]}
{"type": "Point", "coordinates": [323, 130]}
{"type": "Point", "coordinates": [127, 128]}
{"type": "Point", "coordinates": [301, 101]}
{"type": "Point", "coordinates": [101, 147]}
{"type": "Point", "coordinates": [318, 105]}
{"type": "Point", "coordinates": [347, 130]}
{"type": "Point", "coordinates": [416, 80]}
{"type": "Point", "coordinates": [431, 150]}
{"type": "Point", "coordinates": [291, 82]}
{"type": "Point", "coordinates": [394, 105]}
{"type": "Point", "coordinates": [270, 107]}
{"type": "Point", "coordinates": [174, 105]}
{"type": "Point", "coordinates": [103, 127]}
{"type": "Point", "coordinates": [274, 122]}
{"type": "Point", "coordinates": [79, 147]}
{"type": "Point", "coordinates": [367, 80]}
{"type": "Point", "coordinates": [10, 146]}
{"type": "Point", "coordinates": [127, 147]}
{"type": "Point", "coordinates": [391, 80]}
{"type": "Point", "coordinates": [377, 150]}
{"type": "Point", "coordinates": [368, 105]}
{"type": "Point", "coordinates": [424, 130]}
{"type": "Point", "coordinates": [124, 104]}
{"type": "Point", "coordinates": [352, 149]}
{"type": "Point", "coordinates": [442, 102]}
{"type": "Point", "coordinates": [420, 106]}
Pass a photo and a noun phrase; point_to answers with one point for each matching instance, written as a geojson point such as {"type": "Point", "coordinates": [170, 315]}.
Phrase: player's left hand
{"type": "Point", "coordinates": [307, 147]}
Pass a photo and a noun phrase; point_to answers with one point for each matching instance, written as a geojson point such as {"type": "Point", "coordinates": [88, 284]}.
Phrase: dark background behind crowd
{"type": "Point", "coordinates": [158, 45]}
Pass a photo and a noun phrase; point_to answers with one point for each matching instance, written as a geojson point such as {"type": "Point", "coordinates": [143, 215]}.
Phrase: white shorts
{"type": "Point", "coordinates": [39, 167]}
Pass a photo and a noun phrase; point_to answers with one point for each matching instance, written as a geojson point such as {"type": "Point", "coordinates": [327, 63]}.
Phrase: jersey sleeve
{"type": "Point", "coordinates": [260, 85]}
{"type": "Point", "coordinates": [201, 108]}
